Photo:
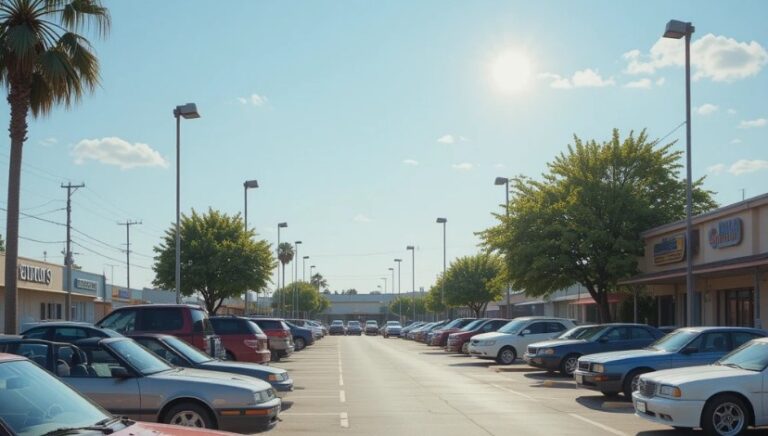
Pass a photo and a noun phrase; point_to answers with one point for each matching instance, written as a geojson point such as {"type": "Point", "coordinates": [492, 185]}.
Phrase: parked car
{"type": "Point", "coordinates": [337, 328]}
{"type": "Point", "coordinates": [371, 327]}
{"type": "Point", "coordinates": [439, 337]}
{"type": "Point", "coordinates": [27, 391]}
{"type": "Point", "coordinates": [424, 334]}
{"type": "Point", "coordinates": [302, 338]}
{"type": "Point", "coordinates": [392, 328]}
{"type": "Point", "coordinates": [279, 337]}
{"type": "Point", "coordinates": [185, 321]}
{"type": "Point", "coordinates": [412, 333]}
{"type": "Point", "coordinates": [563, 354]}
{"type": "Point", "coordinates": [354, 328]}
{"type": "Point", "coordinates": [459, 342]}
{"type": "Point", "coordinates": [179, 353]}
{"type": "Point", "coordinates": [612, 373]}
{"type": "Point", "coordinates": [242, 339]}
{"type": "Point", "coordinates": [317, 331]}
{"type": "Point", "coordinates": [64, 331]}
{"type": "Point", "coordinates": [410, 327]}
{"type": "Point", "coordinates": [322, 325]}
{"type": "Point", "coordinates": [723, 398]}
{"type": "Point", "coordinates": [511, 340]}
{"type": "Point", "coordinates": [575, 332]}
{"type": "Point", "coordinates": [124, 377]}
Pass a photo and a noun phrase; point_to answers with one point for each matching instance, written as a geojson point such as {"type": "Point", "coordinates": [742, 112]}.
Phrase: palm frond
{"type": "Point", "coordinates": [82, 14]}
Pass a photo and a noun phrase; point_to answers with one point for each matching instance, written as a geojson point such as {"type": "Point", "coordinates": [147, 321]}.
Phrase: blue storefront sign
{"type": "Point", "coordinates": [726, 233]}
{"type": "Point", "coordinates": [88, 284]}
{"type": "Point", "coordinates": [669, 250]}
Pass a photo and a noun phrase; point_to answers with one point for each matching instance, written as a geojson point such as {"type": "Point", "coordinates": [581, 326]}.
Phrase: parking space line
{"type": "Point", "coordinates": [598, 425]}
{"type": "Point", "coordinates": [342, 397]}
{"type": "Point", "coordinates": [513, 392]}
{"type": "Point", "coordinates": [309, 414]}
{"type": "Point", "coordinates": [344, 418]}
{"type": "Point", "coordinates": [341, 380]}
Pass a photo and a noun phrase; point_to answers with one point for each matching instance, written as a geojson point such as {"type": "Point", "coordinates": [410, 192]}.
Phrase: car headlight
{"type": "Point", "coordinates": [487, 343]}
{"type": "Point", "coordinates": [670, 391]}
{"type": "Point", "coordinates": [263, 396]}
{"type": "Point", "coordinates": [547, 351]}
{"type": "Point", "coordinates": [275, 377]}
{"type": "Point", "coordinates": [598, 367]}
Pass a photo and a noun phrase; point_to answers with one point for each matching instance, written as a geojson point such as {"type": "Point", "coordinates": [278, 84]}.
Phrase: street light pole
{"type": "Point", "coordinates": [413, 278]}
{"type": "Point", "coordinates": [392, 270]}
{"type": "Point", "coordinates": [676, 30]}
{"type": "Point", "coordinates": [504, 181]}
{"type": "Point", "coordinates": [279, 264]}
{"type": "Point", "coordinates": [443, 221]}
{"type": "Point", "coordinates": [247, 184]}
{"type": "Point", "coordinates": [399, 300]}
{"type": "Point", "coordinates": [311, 274]}
{"type": "Point", "coordinates": [186, 111]}
{"type": "Point", "coordinates": [304, 269]}
{"type": "Point", "coordinates": [295, 309]}
{"type": "Point", "coordinates": [384, 298]}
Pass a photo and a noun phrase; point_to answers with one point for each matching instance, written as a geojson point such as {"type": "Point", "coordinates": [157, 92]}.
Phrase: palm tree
{"type": "Point", "coordinates": [318, 281]}
{"type": "Point", "coordinates": [44, 62]}
{"type": "Point", "coordinates": [285, 255]}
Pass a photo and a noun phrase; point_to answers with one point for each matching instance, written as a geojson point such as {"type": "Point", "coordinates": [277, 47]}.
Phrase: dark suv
{"type": "Point", "coordinates": [242, 338]}
{"type": "Point", "coordinates": [185, 321]}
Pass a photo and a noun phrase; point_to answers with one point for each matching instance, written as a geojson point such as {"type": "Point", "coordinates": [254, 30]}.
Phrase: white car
{"type": "Point", "coordinates": [723, 398]}
{"type": "Point", "coordinates": [392, 328]}
{"type": "Point", "coordinates": [510, 341]}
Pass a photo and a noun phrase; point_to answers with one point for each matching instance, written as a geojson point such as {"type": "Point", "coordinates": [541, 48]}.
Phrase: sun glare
{"type": "Point", "coordinates": [511, 71]}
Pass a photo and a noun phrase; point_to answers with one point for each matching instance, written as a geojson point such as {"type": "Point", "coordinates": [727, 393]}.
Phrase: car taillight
{"type": "Point", "coordinates": [251, 343]}
{"type": "Point", "coordinates": [278, 333]}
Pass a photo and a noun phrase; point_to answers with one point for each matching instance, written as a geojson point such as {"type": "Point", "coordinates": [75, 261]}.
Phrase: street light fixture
{"type": "Point", "coordinates": [282, 294]}
{"type": "Point", "coordinates": [399, 300]}
{"type": "Point", "coordinates": [443, 221]}
{"type": "Point", "coordinates": [676, 30]}
{"type": "Point", "coordinates": [504, 181]}
{"type": "Point", "coordinates": [413, 278]}
{"type": "Point", "coordinates": [187, 111]}
{"type": "Point", "coordinates": [248, 184]}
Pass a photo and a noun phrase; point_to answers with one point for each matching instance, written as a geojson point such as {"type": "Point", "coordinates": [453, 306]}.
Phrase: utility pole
{"type": "Point", "coordinates": [128, 225]}
{"type": "Point", "coordinates": [68, 256]}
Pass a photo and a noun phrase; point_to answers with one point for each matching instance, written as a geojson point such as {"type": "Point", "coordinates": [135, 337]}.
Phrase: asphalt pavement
{"type": "Point", "coordinates": [371, 386]}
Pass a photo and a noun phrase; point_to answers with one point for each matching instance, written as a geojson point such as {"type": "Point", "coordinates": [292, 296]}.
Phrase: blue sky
{"type": "Point", "coordinates": [364, 121]}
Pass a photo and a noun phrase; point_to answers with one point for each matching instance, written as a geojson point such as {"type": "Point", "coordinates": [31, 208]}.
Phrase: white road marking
{"type": "Point", "coordinates": [344, 418]}
{"type": "Point", "coordinates": [342, 397]}
{"type": "Point", "coordinates": [341, 380]}
{"type": "Point", "coordinates": [309, 414]}
{"type": "Point", "coordinates": [598, 425]}
{"type": "Point", "coordinates": [303, 397]}
{"type": "Point", "coordinates": [513, 392]}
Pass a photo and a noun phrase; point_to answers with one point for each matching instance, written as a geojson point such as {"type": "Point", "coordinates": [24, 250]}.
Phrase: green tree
{"type": "Point", "coordinates": [351, 291]}
{"type": "Point", "coordinates": [407, 304]}
{"type": "Point", "coordinates": [581, 223]}
{"type": "Point", "coordinates": [434, 300]}
{"type": "Point", "coordinates": [474, 281]}
{"type": "Point", "coordinates": [285, 256]}
{"type": "Point", "coordinates": [44, 62]}
{"type": "Point", "coordinates": [318, 281]}
{"type": "Point", "coordinates": [308, 299]}
{"type": "Point", "coordinates": [219, 258]}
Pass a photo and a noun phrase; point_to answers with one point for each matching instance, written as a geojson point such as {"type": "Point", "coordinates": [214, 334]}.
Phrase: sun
{"type": "Point", "coordinates": [511, 71]}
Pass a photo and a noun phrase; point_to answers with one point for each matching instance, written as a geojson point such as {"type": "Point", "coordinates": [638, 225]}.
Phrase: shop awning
{"type": "Point", "coordinates": [612, 298]}
{"type": "Point", "coordinates": [530, 303]}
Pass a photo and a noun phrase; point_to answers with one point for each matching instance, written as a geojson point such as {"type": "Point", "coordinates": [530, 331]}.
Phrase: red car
{"type": "Point", "coordinates": [28, 389]}
{"type": "Point", "coordinates": [242, 338]}
{"type": "Point", "coordinates": [439, 337]}
{"type": "Point", "coordinates": [459, 341]}
{"type": "Point", "coordinates": [279, 336]}
{"type": "Point", "coordinates": [185, 321]}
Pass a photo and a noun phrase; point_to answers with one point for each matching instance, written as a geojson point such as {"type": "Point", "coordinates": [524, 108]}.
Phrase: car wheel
{"type": "Point", "coordinates": [631, 381]}
{"type": "Point", "coordinates": [507, 356]}
{"type": "Point", "coordinates": [725, 415]}
{"type": "Point", "coordinates": [189, 415]}
{"type": "Point", "coordinates": [609, 394]}
{"type": "Point", "coordinates": [275, 356]}
{"type": "Point", "coordinates": [230, 356]}
{"type": "Point", "coordinates": [465, 348]}
{"type": "Point", "coordinates": [299, 343]}
{"type": "Point", "coordinates": [569, 364]}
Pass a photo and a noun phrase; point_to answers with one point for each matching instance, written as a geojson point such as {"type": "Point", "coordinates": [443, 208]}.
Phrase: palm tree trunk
{"type": "Point", "coordinates": [18, 98]}
{"type": "Point", "coordinates": [282, 293]}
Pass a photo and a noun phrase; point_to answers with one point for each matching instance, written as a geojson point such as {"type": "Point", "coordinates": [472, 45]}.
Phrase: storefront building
{"type": "Point", "coordinates": [730, 266]}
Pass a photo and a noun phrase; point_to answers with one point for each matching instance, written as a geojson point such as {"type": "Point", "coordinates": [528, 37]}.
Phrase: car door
{"type": "Point", "coordinates": [103, 383]}
{"type": "Point", "coordinates": [536, 331]}
{"type": "Point", "coordinates": [38, 333]}
{"type": "Point", "coordinates": [640, 337]}
{"type": "Point", "coordinates": [68, 334]}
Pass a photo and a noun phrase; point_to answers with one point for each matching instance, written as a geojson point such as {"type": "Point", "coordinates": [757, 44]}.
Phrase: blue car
{"type": "Point", "coordinates": [611, 373]}
{"type": "Point", "coordinates": [302, 338]}
{"type": "Point", "coordinates": [563, 355]}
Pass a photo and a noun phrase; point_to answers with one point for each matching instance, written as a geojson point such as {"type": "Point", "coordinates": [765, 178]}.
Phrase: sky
{"type": "Point", "coordinates": [365, 121]}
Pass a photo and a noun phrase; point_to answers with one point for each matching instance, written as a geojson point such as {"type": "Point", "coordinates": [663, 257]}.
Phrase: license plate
{"type": "Point", "coordinates": [640, 406]}
{"type": "Point", "coordinates": [579, 379]}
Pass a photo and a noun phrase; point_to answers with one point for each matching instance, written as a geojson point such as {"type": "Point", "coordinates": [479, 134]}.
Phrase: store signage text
{"type": "Point", "coordinates": [726, 233]}
{"type": "Point", "coordinates": [669, 250]}
{"type": "Point", "coordinates": [35, 274]}
{"type": "Point", "coordinates": [88, 285]}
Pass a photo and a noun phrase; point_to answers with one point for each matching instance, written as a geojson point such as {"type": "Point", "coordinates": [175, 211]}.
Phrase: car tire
{"type": "Point", "coordinates": [507, 356]}
{"type": "Point", "coordinates": [569, 364]}
{"type": "Point", "coordinates": [727, 406]}
{"type": "Point", "coordinates": [275, 356]}
{"type": "Point", "coordinates": [189, 415]}
{"type": "Point", "coordinates": [630, 382]}
{"type": "Point", "coordinates": [299, 343]}
{"type": "Point", "coordinates": [230, 356]}
{"type": "Point", "coordinates": [465, 348]}
{"type": "Point", "coordinates": [610, 394]}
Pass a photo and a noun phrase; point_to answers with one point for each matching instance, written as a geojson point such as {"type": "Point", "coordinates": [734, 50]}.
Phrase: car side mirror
{"type": "Point", "coordinates": [120, 372]}
{"type": "Point", "coordinates": [689, 350]}
{"type": "Point", "coordinates": [525, 332]}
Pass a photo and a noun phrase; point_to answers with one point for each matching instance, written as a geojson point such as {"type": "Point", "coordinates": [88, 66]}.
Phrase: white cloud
{"type": "Point", "coordinates": [118, 152]}
{"type": "Point", "coordinates": [744, 166]}
{"type": "Point", "coordinates": [706, 109]}
{"type": "Point", "coordinates": [660, 81]}
{"type": "Point", "coordinates": [446, 139]}
{"type": "Point", "coordinates": [47, 142]}
{"type": "Point", "coordinates": [411, 162]}
{"type": "Point", "coordinates": [644, 83]}
{"type": "Point", "coordinates": [731, 111]}
{"type": "Point", "coordinates": [747, 124]}
{"type": "Point", "coordinates": [718, 58]}
{"type": "Point", "coordinates": [499, 166]}
{"type": "Point", "coordinates": [716, 169]}
{"type": "Point", "coordinates": [735, 141]}
{"type": "Point", "coordinates": [254, 99]}
{"type": "Point", "coordinates": [361, 218]}
{"type": "Point", "coordinates": [464, 166]}
{"type": "Point", "coordinates": [587, 78]}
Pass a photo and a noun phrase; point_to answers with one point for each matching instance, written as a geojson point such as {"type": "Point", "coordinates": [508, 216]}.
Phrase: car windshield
{"type": "Point", "coordinates": [452, 324]}
{"type": "Point", "coordinates": [353, 324]}
{"type": "Point", "coordinates": [674, 341]}
{"type": "Point", "coordinates": [580, 332]}
{"type": "Point", "coordinates": [34, 402]}
{"type": "Point", "coordinates": [370, 322]}
{"type": "Point", "coordinates": [472, 325]}
{"type": "Point", "coordinates": [393, 323]}
{"type": "Point", "coordinates": [191, 353]}
{"type": "Point", "coordinates": [513, 327]}
{"type": "Point", "coordinates": [337, 323]}
{"type": "Point", "coordinates": [139, 357]}
{"type": "Point", "coordinates": [594, 333]}
{"type": "Point", "coordinates": [752, 356]}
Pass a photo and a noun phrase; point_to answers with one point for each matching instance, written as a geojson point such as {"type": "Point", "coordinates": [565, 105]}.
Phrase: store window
{"type": "Point", "coordinates": [666, 305]}
{"type": "Point", "coordinates": [738, 307]}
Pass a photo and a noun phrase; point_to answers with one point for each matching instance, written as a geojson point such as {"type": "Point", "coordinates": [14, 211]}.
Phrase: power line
{"type": "Point", "coordinates": [671, 131]}
{"type": "Point", "coordinates": [92, 251]}
{"type": "Point", "coordinates": [41, 242]}
{"type": "Point", "coordinates": [36, 217]}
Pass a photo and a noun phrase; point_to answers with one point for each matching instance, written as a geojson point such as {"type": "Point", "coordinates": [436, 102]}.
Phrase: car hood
{"type": "Point", "coordinates": [448, 331]}
{"type": "Point", "coordinates": [612, 356]}
{"type": "Point", "coordinates": [488, 336]}
{"type": "Point", "coordinates": [557, 342]}
{"type": "Point", "coordinates": [240, 367]}
{"type": "Point", "coordinates": [191, 375]}
{"type": "Point", "coordinates": [153, 429]}
{"type": "Point", "coordinates": [697, 374]}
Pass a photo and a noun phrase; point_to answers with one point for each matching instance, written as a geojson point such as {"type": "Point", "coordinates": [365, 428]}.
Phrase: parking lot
{"type": "Point", "coordinates": [375, 386]}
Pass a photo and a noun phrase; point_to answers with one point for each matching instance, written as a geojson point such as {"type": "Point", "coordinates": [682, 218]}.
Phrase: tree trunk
{"type": "Point", "coordinates": [18, 98]}
{"type": "Point", "coordinates": [604, 308]}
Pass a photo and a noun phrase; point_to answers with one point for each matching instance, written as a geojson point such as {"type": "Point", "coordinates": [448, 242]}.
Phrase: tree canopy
{"type": "Point", "coordinates": [581, 222]}
{"type": "Point", "coordinates": [474, 281]}
{"type": "Point", "coordinates": [310, 301]}
{"type": "Point", "coordinates": [219, 258]}
{"type": "Point", "coordinates": [408, 303]}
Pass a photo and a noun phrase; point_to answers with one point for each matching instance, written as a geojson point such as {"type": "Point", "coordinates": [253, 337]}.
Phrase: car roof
{"type": "Point", "coordinates": [722, 328]}
{"type": "Point", "coordinates": [4, 338]}
{"type": "Point", "coordinates": [10, 357]}
{"type": "Point", "coordinates": [62, 324]}
{"type": "Point", "coordinates": [148, 335]}
{"type": "Point", "coordinates": [93, 342]}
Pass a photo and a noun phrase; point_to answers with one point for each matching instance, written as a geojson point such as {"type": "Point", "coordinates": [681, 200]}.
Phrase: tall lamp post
{"type": "Point", "coordinates": [384, 298]}
{"type": "Point", "coordinates": [248, 184]}
{"type": "Point", "coordinates": [295, 309]}
{"type": "Point", "coordinates": [504, 181]}
{"type": "Point", "coordinates": [676, 30]}
{"type": "Point", "coordinates": [279, 264]}
{"type": "Point", "coordinates": [392, 270]}
{"type": "Point", "coordinates": [413, 278]}
{"type": "Point", "coordinates": [304, 268]}
{"type": "Point", "coordinates": [443, 221]}
{"type": "Point", "coordinates": [400, 300]}
{"type": "Point", "coordinates": [187, 111]}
